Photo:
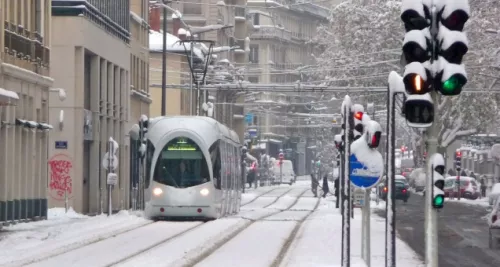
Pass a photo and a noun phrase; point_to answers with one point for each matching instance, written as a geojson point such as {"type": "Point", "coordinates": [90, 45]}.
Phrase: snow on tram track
{"type": "Point", "coordinates": [121, 247]}
{"type": "Point", "coordinates": [188, 249]}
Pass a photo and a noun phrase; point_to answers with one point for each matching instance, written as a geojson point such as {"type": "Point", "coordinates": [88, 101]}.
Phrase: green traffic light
{"type": "Point", "coordinates": [438, 201]}
{"type": "Point", "coordinates": [451, 84]}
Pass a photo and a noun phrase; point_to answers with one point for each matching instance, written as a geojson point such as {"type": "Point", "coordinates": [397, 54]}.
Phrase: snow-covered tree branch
{"type": "Point", "coordinates": [362, 44]}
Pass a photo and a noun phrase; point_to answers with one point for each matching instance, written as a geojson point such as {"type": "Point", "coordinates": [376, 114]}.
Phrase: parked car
{"type": "Point", "coordinates": [469, 188]}
{"type": "Point", "coordinates": [494, 225]}
{"type": "Point", "coordinates": [494, 194]}
{"type": "Point", "coordinates": [418, 179]}
{"type": "Point", "coordinates": [402, 192]}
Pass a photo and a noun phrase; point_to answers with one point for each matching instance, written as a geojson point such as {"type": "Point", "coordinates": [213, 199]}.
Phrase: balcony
{"type": "Point", "coordinates": [270, 32]}
{"type": "Point", "coordinates": [25, 49]}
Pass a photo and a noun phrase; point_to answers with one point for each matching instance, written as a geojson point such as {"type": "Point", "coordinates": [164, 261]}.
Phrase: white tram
{"type": "Point", "coordinates": [193, 169]}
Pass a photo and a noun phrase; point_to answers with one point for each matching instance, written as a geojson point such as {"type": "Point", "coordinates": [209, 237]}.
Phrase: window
{"type": "Point", "coordinates": [253, 56]}
{"type": "Point", "coordinates": [253, 79]}
{"type": "Point", "coordinates": [215, 157]}
{"type": "Point", "coordinates": [150, 150]}
{"type": "Point", "coordinates": [256, 19]}
{"type": "Point", "coordinates": [181, 164]}
{"type": "Point", "coordinates": [193, 7]}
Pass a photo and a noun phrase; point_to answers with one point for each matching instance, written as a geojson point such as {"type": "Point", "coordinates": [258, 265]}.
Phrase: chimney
{"type": "Point", "coordinates": [176, 25]}
{"type": "Point", "coordinates": [155, 19]}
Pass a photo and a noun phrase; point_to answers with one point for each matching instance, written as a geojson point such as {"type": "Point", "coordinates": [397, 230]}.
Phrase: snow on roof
{"type": "Point", "coordinates": [173, 44]}
{"type": "Point", "coordinates": [8, 94]}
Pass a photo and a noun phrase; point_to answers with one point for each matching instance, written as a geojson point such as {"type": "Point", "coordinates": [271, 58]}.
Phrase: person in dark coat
{"type": "Point", "coordinates": [326, 190]}
{"type": "Point", "coordinates": [314, 185]}
{"type": "Point", "coordinates": [337, 187]}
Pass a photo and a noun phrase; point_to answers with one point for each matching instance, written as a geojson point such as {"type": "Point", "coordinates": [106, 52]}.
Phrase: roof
{"type": "Point", "coordinates": [173, 44]}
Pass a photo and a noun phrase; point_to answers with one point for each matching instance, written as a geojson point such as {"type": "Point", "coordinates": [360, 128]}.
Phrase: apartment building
{"type": "Point", "coordinates": [25, 68]}
{"type": "Point", "coordinates": [141, 98]}
{"type": "Point", "coordinates": [91, 51]}
{"type": "Point", "coordinates": [231, 16]}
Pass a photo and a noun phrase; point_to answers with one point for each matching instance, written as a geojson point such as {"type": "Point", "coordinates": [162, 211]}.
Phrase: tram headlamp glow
{"type": "Point", "coordinates": [157, 191]}
{"type": "Point", "coordinates": [204, 192]}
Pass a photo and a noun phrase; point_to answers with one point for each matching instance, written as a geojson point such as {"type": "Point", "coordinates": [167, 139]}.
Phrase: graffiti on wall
{"type": "Point", "coordinates": [60, 182]}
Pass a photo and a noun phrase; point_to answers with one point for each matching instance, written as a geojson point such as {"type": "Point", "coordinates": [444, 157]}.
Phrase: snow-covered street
{"type": "Point", "coordinates": [277, 226]}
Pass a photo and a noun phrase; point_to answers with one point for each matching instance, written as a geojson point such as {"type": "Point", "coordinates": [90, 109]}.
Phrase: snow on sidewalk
{"type": "Point", "coordinates": [27, 242]}
{"type": "Point", "coordinates": [319, 242]}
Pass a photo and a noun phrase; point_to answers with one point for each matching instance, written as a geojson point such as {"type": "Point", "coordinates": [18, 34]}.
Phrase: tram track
{"type": "Point", "coordinates": [217, 245]}
{"type": "Point", "coordinates": [258, 196]}
{"type": "Point", "coordinates": [292, 237]}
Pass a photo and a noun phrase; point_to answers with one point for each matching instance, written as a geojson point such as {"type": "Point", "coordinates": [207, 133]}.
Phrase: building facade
{"type": "Point", "coordinates": [91, 52]}
{"type": "Point", "coordinates": [25, 68]}
{"type": "Point", "coordinates": [203, 13]}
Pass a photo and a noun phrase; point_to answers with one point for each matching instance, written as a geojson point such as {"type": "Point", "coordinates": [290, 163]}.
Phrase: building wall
{"type": "Point", "coordinates": [105, 94]}
{"type": "Point", "coordinates": [23, 151]}
{"type": "Point", "coordinates": [177, 102]}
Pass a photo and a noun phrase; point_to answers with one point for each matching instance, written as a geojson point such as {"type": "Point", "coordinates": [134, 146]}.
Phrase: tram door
{"type": "Point", "coordinates": [224, 177]}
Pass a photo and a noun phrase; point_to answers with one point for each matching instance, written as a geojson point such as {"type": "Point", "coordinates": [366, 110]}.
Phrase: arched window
{"type": "Point", "coordinates": [181, 164]}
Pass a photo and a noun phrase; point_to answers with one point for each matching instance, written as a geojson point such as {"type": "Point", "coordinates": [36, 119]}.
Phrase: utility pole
{"type": "Point", "coordinates": [164, 65]}
{"type": "Point", "coordinates": [433, 49]}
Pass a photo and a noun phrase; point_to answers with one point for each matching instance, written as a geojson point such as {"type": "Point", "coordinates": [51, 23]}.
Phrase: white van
{"type": "Point", "coordinates": [287, 172]}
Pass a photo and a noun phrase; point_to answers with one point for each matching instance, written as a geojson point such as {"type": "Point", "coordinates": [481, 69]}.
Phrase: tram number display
{"type": "Point", "coordinates": [181, 144]}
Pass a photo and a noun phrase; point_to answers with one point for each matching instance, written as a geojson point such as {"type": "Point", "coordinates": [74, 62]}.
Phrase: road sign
{"type": "Point", "coordinates": [359, 197]}
{"type": "Point", "coordinates": [361, 176]}
{"type": "Point", "coordinates": [249, 118]}
{"type": "Point", "coordinates": [112, 179]}
{"type": "Point", "coordinates": [107, 162]}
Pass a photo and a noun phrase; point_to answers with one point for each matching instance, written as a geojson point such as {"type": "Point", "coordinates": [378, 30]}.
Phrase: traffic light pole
{"type": "Point", "coordinates": [346, 207]}
{"type": "Point", "coordinates": [431, 248]}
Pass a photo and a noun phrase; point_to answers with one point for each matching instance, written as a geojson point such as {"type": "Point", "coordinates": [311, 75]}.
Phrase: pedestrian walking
{"type": "Point", "coordinates": [483, 188]}
{"type": "Point", "coordinates": [326, 190]}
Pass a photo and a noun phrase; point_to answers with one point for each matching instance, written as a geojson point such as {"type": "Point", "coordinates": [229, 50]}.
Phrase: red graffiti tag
{"type": "Point", "coordinates": [60, 177]}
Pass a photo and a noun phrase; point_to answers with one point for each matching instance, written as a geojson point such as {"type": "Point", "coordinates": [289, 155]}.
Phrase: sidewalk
{"type": "Point", "coordinates": [319, 241]}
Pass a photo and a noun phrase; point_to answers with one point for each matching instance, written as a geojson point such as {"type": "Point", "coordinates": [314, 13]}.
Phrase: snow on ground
{"type": "Point", "coordinates": [283, 203]}
{"type": "Point", "coordinates": [259, 203]}
{"type": "Point", "coordinates": [289, 215]}
{"type": "Point", "coordinates": [257, 245]}
{"type": "Point", "coordinates": [182, 250]}
{"type": "Point", "coordinates": [115, 249]}
{"type": "Point", "coordinates": [26, 242]}
{"type": "Point", "coordinates": [477, 202]}
{"type": "Point", "coordinates": [319, 241]}
{"type": "Point", "coordinates": [306, 203]}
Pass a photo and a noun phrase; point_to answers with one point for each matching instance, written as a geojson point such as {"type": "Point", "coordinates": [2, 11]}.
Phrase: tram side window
{"type": "Point", "coordinates": [216, 163]}
{"type": "Point", "coordinates": [224, 165]}
{"type": "Point", "coordinates": [237, 170]}
{"type": "Point", "coordinates": [149, 160]}
{"type": "Point", "coordinates": [181, 164]}
{"type": "Point", "coordinates": [230, 166]}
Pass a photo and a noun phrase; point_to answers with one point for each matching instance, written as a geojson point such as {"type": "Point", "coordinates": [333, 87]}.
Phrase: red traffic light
{"type": "Point", "coordinates": [281, 156]}
{"type": "Point", "coordinates": [458, 154]}
{"type": "Point", "coordinates": [358, 115]}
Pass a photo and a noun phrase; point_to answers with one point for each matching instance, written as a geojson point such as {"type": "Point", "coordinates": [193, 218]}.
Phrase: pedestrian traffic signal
{"type": "Point", "coordinates": [419, 111]}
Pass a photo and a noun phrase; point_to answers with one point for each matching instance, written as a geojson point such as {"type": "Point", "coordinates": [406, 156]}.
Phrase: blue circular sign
{"type": "Point", "coordinates": [361, 176]}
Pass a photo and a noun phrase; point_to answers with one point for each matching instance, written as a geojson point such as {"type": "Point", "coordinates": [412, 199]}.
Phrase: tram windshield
{"type": "Point", "coordinates": [181, 164]}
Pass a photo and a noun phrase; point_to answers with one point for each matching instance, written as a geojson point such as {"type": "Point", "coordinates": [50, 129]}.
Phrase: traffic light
{"type": "Point", "coordinates": [458, 160]}
{"type": "Point", "coordinates": [437, 172]}
{"type": "Point", "coordinates": [417, 55]}
{"type": "Point", "coordinates": [453, 45]}
{"type": "Point", "coordinates": [373, 133]}
{"type": "Point", "coordinates": [358, 112]}
{"type": "Point", "coordinates": [337, 139]}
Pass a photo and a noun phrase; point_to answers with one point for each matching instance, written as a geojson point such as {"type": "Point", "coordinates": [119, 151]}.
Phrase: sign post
{"type": "Point", "coordinates": [281, 156]}
{"type": "Point", "coordinates": [110, 164]}
{"type": "Point", "coordinates": [363, 178]}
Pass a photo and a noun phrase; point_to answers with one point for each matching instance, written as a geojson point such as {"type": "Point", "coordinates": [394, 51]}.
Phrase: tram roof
{"type": "Point", "coordinates": [207, 128]}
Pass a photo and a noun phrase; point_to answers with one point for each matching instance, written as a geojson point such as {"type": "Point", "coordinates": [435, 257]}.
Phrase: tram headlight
{"type": "Point", "coordinates": [204, 192]}
{"type": "Point", "coordinates": [157, 191]}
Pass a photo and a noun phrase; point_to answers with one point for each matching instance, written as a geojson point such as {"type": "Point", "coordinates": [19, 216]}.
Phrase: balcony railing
{"type": "Point", "coordinates": [272, 32]}
{"type": "Point", "coordinates": [25, 49]}
{"type": "Point", "coordinates": [286, 66]}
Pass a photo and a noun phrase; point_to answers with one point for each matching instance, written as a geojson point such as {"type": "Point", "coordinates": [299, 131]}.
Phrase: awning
{"type": "Point", "coordinates": [8, 98]}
